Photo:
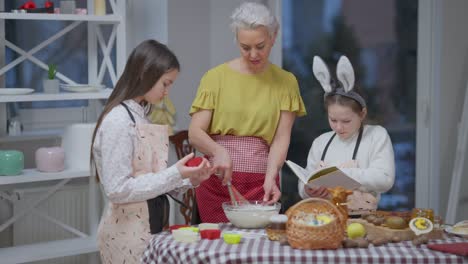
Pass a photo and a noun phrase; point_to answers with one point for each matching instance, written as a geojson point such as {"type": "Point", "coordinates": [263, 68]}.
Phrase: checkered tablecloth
{"type": "Point", "coordinates": [256, 248]}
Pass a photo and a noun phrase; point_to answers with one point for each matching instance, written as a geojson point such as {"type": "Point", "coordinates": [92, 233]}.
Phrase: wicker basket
{"type": "Point", "coordinates": [328, 236]}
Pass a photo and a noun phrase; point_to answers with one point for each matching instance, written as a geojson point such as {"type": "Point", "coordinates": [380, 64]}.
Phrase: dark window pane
{"type": "Point", "coordinates": [381, 43]}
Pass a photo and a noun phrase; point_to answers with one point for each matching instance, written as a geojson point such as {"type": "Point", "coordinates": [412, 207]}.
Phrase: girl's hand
{"type": "Point", "coordinates": [272, 193]}
{"type": "Point", "coordinates": [196, 174]}
{"type": "Point", "coordinates": [320, 192]}
{"type": "Point", "coordinates": [222, 165]}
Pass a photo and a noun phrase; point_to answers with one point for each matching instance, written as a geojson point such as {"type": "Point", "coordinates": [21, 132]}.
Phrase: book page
{"type": "Point", "coordinates": [322, 172]}
{"type": "Point", "coordinates": [333, 177]}
{"type": "Point", "coordinates": [300, 172]}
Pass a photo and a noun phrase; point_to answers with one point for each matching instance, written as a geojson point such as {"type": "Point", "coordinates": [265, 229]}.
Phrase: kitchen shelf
{"type": "Point", "coordinates": [48, 250]}
{"type": "Point", "coordinates": [54, 97]}
{"type": "Point", "coordinates": [106, 38]}
{"type": "Point", "coordinates": [33, 175]}
{"type": "Point", "coordinates": [112, 19]}
{"type": "Point", "coordinates": [33, 135]}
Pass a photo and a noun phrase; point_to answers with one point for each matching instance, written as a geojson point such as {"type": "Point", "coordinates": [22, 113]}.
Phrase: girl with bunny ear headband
{"type": "Point", "coordinates": [363, 152]}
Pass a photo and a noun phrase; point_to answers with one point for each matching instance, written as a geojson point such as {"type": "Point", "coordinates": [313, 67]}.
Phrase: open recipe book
{"type": "Point", "coordinates": [329, 177]}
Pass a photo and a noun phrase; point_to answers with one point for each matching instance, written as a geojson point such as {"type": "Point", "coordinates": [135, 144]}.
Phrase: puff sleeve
{"type": "Point", "coordinates": [291, 99]}
{"type": "Point", "coordinates": [207, 93]}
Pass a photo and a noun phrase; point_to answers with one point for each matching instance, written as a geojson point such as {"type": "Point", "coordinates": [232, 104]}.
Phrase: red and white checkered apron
{"type": "Point", "coordinates": [249, 160]}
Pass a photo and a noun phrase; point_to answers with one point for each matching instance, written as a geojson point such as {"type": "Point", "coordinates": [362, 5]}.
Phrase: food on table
{"type": "Point", "coordinates": [362, 242]}
{"type": "Point", "coordinates": [339, 196]}
{"type": "Point", "coordinates": [356, 243]}
{"type": "Point", "coordinates": [187, 236]}
{"type": "Point", "coordinates": [361, 202]}
{"type": "Point", "coordinates": [377, 229]}
{"type": "Point", "coordinates": [423, 212]}
{"type": "Point", "coordinates": [231, 238]}
{"type": "Point", "coordinates": [305, 231]}
{"type": "Point", "coordinates": [253, 214]}
{"type": "Point", "coordinates": [204, 226]}
{"type": "Point", "coordinates": [421, 225]}
{"type": "Point", "coordinates": [396, 239]}
{"type": "Point", "coordinates": [324, 218]}
{"type": "Point", "coordinates": [210, 234]}
{"type": "Point", "coordinates": [422, 239]}
{"type": "Point", "coordinates": [315, 219]}
{"type": "Point", "coordinates": [355, 230]}
{"type": "Point", "coordinates": [461, 227]}
{"type": "Point", "coordinates": [191, 228]}
{"type": "Point", "coordinates": [379, 241]}
{"type": "Point", "coordinates": [350, 243]}
{"type": "Point", "coordinates": [174, 227]}
{"type": "Point", "coordinates": [375, 219]}
{"type": "Point", "coordinates": [276, 230]}
{"type": "Point", "coordinates": [395, 222]}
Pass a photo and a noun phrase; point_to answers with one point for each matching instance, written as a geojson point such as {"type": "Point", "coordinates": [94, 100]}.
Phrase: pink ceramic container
{"type": "Point", "coordinates": [50, 159]}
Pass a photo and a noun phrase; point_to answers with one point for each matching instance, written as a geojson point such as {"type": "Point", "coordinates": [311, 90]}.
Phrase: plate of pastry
{"type": "Point", "coordinates": [82, 88]}
{"type": "Point", "coordinates": [15, 91]}
{"type": "Point", "coordinates": [459, 229]}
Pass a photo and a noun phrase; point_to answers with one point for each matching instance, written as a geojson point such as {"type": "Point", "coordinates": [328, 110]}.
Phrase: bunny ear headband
{"type": "Point", "coordinates": [345, 74]}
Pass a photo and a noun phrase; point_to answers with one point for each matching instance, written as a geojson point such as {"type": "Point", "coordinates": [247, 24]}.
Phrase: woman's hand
{"type": "Point", "coordinates": [319, 192]}
{"type": "Point", "coordinates": [196, 174]}
{"type": "Point", "coordinates": [222, 165]}
{"type": "Point", "coordinates": [272, 193]}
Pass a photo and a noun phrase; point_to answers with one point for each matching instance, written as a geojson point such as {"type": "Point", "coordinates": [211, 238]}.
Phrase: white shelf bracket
{"type": "Point", "coordinates": [12, 200]}
{"type": "Point", "coordinates": [106, 50]}
{"type": "Point", "coordinates": [29, 54]}
{"type": "Point", "coordinates": [113, 6]}
{"type": "Point", "coordinates": [28, 209]}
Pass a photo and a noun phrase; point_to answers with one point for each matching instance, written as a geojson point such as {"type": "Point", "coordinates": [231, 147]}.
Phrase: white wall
{"type": "Point", "coordinates": [146, 19]}
{"type": "Point", "coordinates": [222, 39]}
{"type": "Point", "coordinates": [453, 81]}
{"type": "Point", "coordinates": [188, 32]}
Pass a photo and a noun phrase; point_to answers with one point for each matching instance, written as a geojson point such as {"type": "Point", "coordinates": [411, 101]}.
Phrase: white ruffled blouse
{"type": "Point", "coordinates": [113, 149]}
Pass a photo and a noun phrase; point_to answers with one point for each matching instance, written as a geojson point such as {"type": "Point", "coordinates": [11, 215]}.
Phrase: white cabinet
{"type": "Point", "coordinates": [99, 62]}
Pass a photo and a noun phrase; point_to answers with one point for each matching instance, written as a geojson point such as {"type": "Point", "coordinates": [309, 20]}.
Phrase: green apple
{"type": "Point", "coordinates": [355, 230]}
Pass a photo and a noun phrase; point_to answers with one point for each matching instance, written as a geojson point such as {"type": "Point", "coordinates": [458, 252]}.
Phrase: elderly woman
{"type": "Point", "coordinates": [242, 116]}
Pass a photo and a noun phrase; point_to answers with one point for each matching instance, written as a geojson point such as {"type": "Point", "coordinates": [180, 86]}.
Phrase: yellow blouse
{"type": "Point", "coordinates": [247, 104]}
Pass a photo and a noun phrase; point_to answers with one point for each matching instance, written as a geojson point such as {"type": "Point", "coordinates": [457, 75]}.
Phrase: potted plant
{"type": "Point", "coordinates": [51, 85]}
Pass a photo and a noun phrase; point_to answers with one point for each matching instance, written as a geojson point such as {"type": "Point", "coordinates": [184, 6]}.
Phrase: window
{"type": "Point", "coordinates": [381, 42]}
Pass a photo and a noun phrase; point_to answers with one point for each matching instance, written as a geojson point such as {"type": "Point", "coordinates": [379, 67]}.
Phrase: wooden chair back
{"type": "Point", "coordinates": [183, 148]}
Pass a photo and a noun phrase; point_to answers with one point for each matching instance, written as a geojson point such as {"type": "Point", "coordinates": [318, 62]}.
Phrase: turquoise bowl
{"type": "Point", "coordinates": [11, 162]}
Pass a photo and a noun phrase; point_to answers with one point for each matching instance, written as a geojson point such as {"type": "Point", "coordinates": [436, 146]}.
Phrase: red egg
{"type": "Point", "coordinates": [194, 162]}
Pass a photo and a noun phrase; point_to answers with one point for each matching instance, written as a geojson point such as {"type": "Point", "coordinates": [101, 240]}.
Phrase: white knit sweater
{"type": "Point", "coordinates": [375, 158]}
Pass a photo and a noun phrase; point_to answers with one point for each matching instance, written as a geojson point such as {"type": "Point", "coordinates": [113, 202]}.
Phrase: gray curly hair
{"type": "Point", "coordinates": [250, 15]}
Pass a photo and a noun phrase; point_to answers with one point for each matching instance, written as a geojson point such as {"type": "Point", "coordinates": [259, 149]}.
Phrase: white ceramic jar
{"type": "Point", "coordinates": [50, 159]}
